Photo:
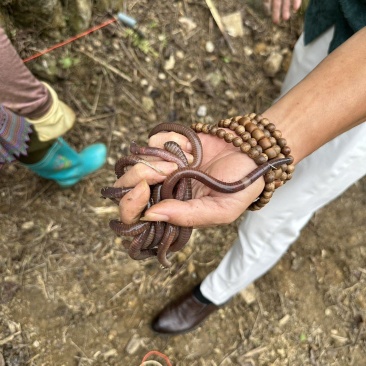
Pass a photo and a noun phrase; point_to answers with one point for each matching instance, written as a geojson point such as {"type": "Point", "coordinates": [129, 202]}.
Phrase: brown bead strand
{"type": "Point", "coordinates": [257, 137]}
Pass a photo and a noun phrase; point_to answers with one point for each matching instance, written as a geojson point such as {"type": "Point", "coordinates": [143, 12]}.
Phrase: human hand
{"type": "Point", "coordinates": [207, 207]}
{"type": "Point", "coordinates": [281, 9]}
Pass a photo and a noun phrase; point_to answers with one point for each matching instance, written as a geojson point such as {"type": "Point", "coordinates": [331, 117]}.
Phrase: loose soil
{"type": "Point", "coordinates": [69, 293]}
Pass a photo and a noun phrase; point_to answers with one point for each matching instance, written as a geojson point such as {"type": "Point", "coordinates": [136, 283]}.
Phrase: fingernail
{"type": "Point", "coordinates": [154, 217]}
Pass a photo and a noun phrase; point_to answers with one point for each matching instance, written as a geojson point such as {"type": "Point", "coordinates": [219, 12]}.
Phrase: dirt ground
{"type": "Point", "coordinates": [69, 293]}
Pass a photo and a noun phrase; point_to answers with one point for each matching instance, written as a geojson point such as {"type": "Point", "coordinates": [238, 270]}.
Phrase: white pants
{"type": "Point", "coordinates": [265, 235]}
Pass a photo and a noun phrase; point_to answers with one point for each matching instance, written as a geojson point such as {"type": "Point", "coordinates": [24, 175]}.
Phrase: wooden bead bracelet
{"type": "Point", "coordinates": [257, 137]}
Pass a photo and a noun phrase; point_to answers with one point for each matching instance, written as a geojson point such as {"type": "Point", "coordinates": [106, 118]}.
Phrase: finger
{"type": "Point", "coordinates": [286, 9]}
{"type": "Point", "coordinates": [276, 11]}
{"type": "Point", "coordinates": [140, 172]}
{"type": "Point", "coordinates": [134, 202]}
{"type": "Point", "coordinates": [161, 138]}
{"type": "Point", "coordinates": [296, 5]}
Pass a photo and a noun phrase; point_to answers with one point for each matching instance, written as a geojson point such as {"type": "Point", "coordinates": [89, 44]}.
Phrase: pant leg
{"type": "Point", "coordinates": [265, 235]}
{"type": "Point", "coordinates": [20, 91]}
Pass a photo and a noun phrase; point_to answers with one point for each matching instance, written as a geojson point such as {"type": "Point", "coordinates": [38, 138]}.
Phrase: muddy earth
{"type": "Point", "coordinates": [69, 293]}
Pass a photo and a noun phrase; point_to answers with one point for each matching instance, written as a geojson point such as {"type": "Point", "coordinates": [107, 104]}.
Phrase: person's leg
{"type": "Point", "coordinates": [265, 235]}
{"type": "Point", "coordinates": [48, 154]}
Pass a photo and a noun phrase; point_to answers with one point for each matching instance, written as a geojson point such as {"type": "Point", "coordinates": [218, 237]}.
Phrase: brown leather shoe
{"type": "Point", "coordinates": [182, 315]}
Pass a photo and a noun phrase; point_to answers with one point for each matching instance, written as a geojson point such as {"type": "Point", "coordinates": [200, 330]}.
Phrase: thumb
{"type": "Point", "coordinates": [134, 202]}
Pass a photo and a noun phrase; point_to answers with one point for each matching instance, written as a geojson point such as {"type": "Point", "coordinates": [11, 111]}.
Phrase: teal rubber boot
{"type": "Point", "coordinates": [67, 167]}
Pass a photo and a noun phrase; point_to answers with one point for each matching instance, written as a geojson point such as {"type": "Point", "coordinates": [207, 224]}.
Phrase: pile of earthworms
{"type": "Point", "coordinates": [160, 238]}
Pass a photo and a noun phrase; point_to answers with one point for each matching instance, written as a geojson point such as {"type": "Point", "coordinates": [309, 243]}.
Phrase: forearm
{"type": "Point", "coordinates": [20, 91]}
{"type": "Point", "coordinates": [328, 102]}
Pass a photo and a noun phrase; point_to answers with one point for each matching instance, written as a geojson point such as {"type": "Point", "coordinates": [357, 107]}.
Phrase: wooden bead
{"type": "Point", "coordinates": [266, 194]}
{"type": "Point", "coordinates": [244, 120]}
{"type": "Point", "coordinates": [277, 149]}
{"type": "Point", "coordinates": [277, 134]}
{"type": "Point", "coordinates": [271, 153]}
{"type": "Point", "coordinates": [206, 128]}
{"type": "Point", "coordinates": [245, 147]}
{"type": "Point", "coordinates": [252, 115]}
{"type": "Point", "coordinates": [220, 133]}
{"type": "Point", "coordinates": [278, 183]}
{"type": "Point", "coordinates": [252, 142]}
{"type": "Point", "coordinates": [278, 173]}
{"type": "Point", "coordinates": [270, 127]}
{"type": "Point", "coordinates": [264, 200]}
{"type": "Point", "coordinates": [233, 125]}
{"type": "Point", "coordinates": [283, 176]}
{"type": "Point", "coordinates": [240, 130]}
{"type": "Point", "coordinates": [245, 136]}
{"type": "Point", "coordinates": [289, 176]}
{"type": "Point", "coordinates": [290, 169]}
{"type": "Point", "coordinates": [253, 153]}
{"type": "Point", "coordinates": [221, 123]}
{"type": "Point", "coordinates": [236, 119]}
{"type": "Point", "coordinates": [269, 187]}
{"type": "Point", "coordinates": [260, 204]}
{"type": "Point", "coordinates": [267, 133]}
{"type": "Point", "coordinates": [199, 126]}
{"type": "Point", "coordinates": [265, 122]}
{"type": "Point", "coordinates": [259, 117]}
{"type": "Point", "coordinates": [254, 207]}
{"type": "Point", "coordinates": [269, 177]}
{"type": "Point", "coordinates": [229, 137]}
{"type": "Point", "coordinates": [260, 126]}
{"type": "Point", "coordinates": [258, 148]}
{"type": "Point", "coordinates": [258, 134]}
{"type": "Point", "coordinates": [264, 143]}
{"type": "Point", "coordinates": [281, 142]}
{"type": "Point", "coordinates": [237, 141]}
{"type": "Point", "coordinates": [226, 123]}
{"type": "Point", "coordinates": [273, 140]}
{"type": "Point", "coordinates": [250, 127]}
{"type": "Point", "coordinates": [213, 130]}
{"type": "Point", "coordinates": [286, 150]}
{"type": "Point", "coordinates": [261, 159]}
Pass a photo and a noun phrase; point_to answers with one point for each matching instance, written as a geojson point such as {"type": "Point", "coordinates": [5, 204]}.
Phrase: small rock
{"type": "Point", "coordinates": [111, 353]}
{"type": "Point", "coordinates": [147, 103]}
{"type": "Point", "coordinates": [187, 23]}
{"type": "Point", "coordinates": [230, 94]}
{"type": "Point", "coordinates": [170, 63]}
{"type": "Point", "coordinates": [249, 294]}
{"type": "Point", "coordinates": [144, 82]}
{"type": "Point", "coordinates": [180, 55]}
{"type": "Point", "coordinates": [273, 64]}
{"type": "Point", "coordinates": [28, 225]}
{"type": "Point", "coordinates": [284, 320]}
{"type": "Point", "coordinates": [248, 51]}
{"type": "Point", "coordinates": [134, 344]}
{"type": "Point", "coordinates": [233, 24]}
{"type": "Point", "coordinates": [161, 76]}
{"type": "Point", "coordinates": [210, 47]}
{"type": "Point", "coordinates": [215, 78]}
{"type": "Point", "coordinates": [111, 161]}
{"type": "Point", "coordinates": [191, 268]}
{"type": "Point", "coordinates": [202, 111]}
{"type": "Point", "coordinates": [260, 48]}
